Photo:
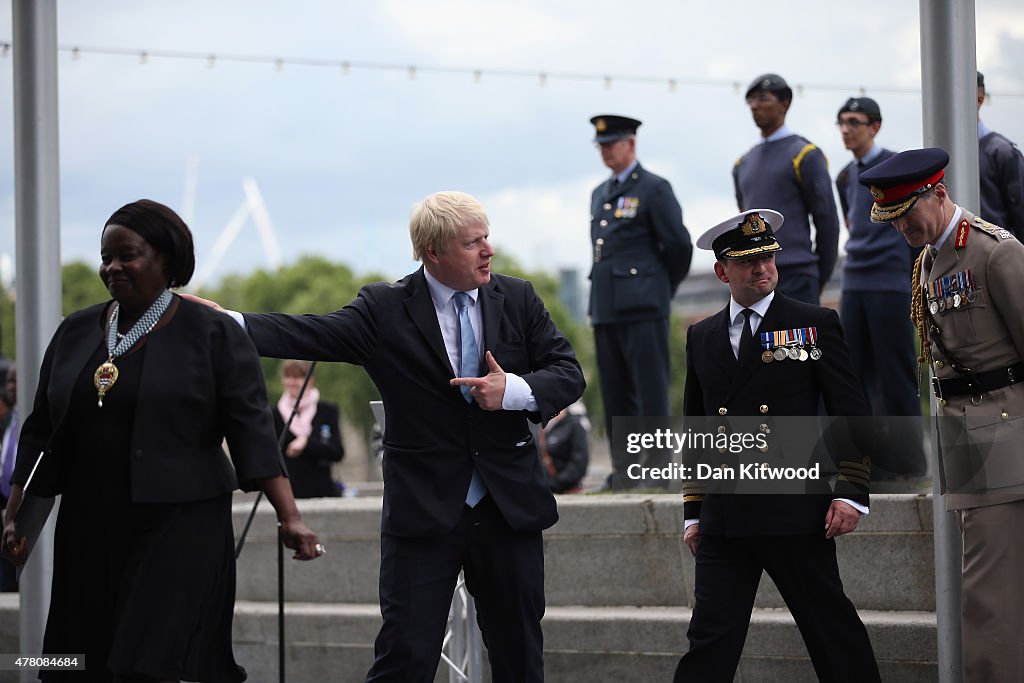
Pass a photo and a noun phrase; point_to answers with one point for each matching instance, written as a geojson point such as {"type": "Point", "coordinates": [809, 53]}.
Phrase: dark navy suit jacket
{"type": "Point", "coordinates": [433, 438]}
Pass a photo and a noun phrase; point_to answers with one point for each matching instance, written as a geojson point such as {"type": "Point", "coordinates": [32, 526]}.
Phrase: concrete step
{"type": "Point", "coordinates": [606, 550]}
{"type": "Point", "coordinates": [332, 642]}
{"type": "Point", "coordinates": [595, 644]}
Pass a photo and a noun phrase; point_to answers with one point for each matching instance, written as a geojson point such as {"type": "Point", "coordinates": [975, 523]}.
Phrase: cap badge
{"type": "Point", "coordinates": [877, 193]}
{"type": "Point", "coordinates": [753, 224]}
{"type": "Point", "coordinates": [600, 125]}
{"type": "Point", "coordinates": [766, 83]}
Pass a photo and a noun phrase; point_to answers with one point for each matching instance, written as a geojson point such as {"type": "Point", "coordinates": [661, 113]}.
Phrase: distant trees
{"type": "Point", "coordinates": [313, 284]}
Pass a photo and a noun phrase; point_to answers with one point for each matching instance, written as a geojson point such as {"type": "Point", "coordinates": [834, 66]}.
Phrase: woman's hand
{"type": "Point", "coordinates": [296, 446]}
{"type": "Point", "coordinates": [300, 538]}
{"type": "Point", "coordinates": [294, 532]}
{"type": "Point", "coordinates": [14, 548]}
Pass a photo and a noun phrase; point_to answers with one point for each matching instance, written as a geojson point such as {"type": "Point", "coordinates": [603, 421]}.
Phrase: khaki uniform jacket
{"type": "Point", "coordinates": [980, 437]}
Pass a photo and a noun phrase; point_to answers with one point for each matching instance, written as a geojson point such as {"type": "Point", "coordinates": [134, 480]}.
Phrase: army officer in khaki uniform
{"type": "Point", "coordinates": [966, 307]}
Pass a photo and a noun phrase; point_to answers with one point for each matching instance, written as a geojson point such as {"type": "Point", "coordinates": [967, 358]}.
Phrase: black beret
{"type": "Point", "coordinates": [773, 83]}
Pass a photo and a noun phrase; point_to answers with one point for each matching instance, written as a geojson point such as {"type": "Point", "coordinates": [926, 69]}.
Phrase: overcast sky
{"type": "Point", "coordinates": [341, 157]}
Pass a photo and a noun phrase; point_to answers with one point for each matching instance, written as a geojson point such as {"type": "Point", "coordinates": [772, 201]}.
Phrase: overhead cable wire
{"type": "Point", "coordinates": [476, 74]}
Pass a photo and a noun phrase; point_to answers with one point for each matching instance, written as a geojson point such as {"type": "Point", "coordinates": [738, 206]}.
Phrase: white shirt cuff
{"type": "Point", "coordinates": [237, 317]}
{"type": "Point", "coordinates": [518, 394]}
{"type": "Point", "coordinates": [856, 506]}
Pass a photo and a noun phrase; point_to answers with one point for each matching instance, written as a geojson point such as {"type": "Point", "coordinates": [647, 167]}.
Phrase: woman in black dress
{"type": "Point", "coordinates": [313, 442]}
{"type": "Point", "coordinates": [135, 397]}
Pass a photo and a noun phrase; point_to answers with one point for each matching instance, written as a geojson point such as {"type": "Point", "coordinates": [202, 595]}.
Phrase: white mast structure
{"type": "Point", "coordinates": [252, 206]}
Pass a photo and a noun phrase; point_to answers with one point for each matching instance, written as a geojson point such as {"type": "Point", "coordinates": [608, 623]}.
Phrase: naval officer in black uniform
{"type": "Point", "coordinates": [730, 372]}
{"type": "Point", "coordinates": [641, 253]}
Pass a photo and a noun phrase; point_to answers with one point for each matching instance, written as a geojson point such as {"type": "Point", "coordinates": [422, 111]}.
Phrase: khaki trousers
{"type": "Point", "coordinates": [992, 611]}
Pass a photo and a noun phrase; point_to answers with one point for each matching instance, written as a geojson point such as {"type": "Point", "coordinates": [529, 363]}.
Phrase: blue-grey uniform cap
{"type": "Point", "coordinates": [862, 105]}
{"type": "Point", "coordinates": [612, 127]}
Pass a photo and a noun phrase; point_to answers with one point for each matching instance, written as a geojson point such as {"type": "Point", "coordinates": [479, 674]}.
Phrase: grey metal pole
{"type": "Point", "coordinates": [37, 237]}
{"type": "Point", "coordinates": [949, 103]}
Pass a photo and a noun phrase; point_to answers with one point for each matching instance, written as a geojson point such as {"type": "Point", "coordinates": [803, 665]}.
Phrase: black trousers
{"type": "Point", "coordinates": [805, 570]}
{"type": "Point", "coordinates": [633, 364]}
{"type": "Point", "coordinates": [504, 572]}
{"type": "Point", "coordinates": [880, 335]}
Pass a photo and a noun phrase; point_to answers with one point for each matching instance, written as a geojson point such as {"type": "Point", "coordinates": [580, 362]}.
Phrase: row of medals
{"type": "Point", "coordinates": [954, 301]}
{"type": "Point", "coordinates": [793, 352]}
{"type": "Point", "coordinates": [952, 292]}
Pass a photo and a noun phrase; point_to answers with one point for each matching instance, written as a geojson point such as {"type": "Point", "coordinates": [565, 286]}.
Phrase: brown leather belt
{"type": "Point", "coordinates": [977, 383]}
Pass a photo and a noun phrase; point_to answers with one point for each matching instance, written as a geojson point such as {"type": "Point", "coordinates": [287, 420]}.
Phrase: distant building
{"type": "Point", "coordinates": [702, 294]}
{"type": "Point", "coordinates": [571, 292]}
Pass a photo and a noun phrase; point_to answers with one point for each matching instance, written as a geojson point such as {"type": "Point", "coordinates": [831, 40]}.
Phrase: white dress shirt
{"type": "Point", "coordinates": [736, 320]}
{"type": "Point", "coordinates": [518, 394]}
{"type": "Point", "coordinates": [949, 228]}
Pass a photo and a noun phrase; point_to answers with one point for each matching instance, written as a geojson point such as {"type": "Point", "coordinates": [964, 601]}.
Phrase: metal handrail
{"type": "Point", "coordinates": [462, 648]}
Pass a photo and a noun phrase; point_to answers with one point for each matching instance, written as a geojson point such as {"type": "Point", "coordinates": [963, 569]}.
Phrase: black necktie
{"type": "Point", "coordinates": [747, 344]}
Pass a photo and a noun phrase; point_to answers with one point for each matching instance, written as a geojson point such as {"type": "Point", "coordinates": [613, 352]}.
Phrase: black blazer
{"type": "Point", "coordinates": [201, 383]}
{"type": "Point", "coordinates": [310, 472]}
{"type": "Point", "coordinates": [716, 379]}
{"type": "Point", "coordinates": [433, 438]}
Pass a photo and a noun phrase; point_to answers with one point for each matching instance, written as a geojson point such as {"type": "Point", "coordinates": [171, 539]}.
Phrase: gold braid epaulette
{"type": "Point", "coordinates": [917, 313]}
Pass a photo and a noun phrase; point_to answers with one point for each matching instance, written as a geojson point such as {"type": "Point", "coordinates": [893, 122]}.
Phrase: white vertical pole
{"type": "Point", "coordinates": [37, 237]}
{"type": "Point", "coordinates": [949, 104]}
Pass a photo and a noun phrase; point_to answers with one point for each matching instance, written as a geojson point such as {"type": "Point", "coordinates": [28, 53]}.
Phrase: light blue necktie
{"type": "Point", "coordinates": [469, 366]}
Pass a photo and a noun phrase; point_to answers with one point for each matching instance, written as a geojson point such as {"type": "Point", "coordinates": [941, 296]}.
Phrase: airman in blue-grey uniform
{"type": "Point", "coordinates": [788, 173]}
{"type": "Point", "coordinates": [641, 252]}
{"type": "Point", "coordinates": [1001, 172]}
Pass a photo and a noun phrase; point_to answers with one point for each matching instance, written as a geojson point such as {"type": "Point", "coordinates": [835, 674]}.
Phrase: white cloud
{"type": "Point", "coordinates": [544, 227]}
{"type": "Point", "coordinates": [484, 32]}
{"type": "Point", "coordinates": [341, 158]}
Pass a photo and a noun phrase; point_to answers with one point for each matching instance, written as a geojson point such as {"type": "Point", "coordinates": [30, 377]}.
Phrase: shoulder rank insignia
{"type": "Point", "coordinates": [991, 229]}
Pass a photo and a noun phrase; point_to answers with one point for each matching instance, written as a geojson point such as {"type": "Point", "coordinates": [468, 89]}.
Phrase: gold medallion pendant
{"type": "Point", "coordinates": [104, 378]}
